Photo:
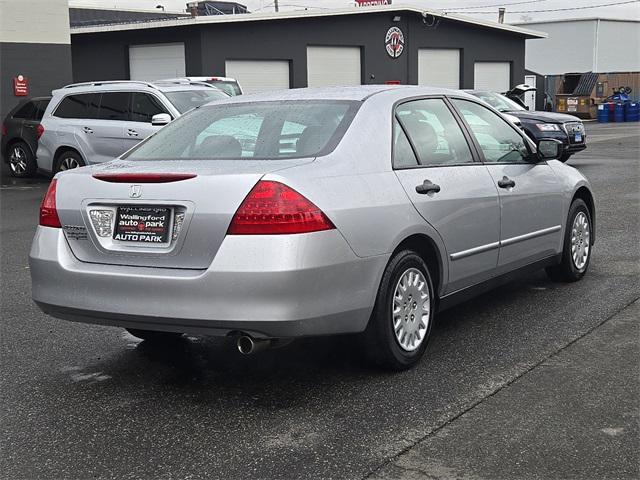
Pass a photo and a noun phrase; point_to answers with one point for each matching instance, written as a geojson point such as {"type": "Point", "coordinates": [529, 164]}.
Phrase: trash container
{"type": "Point", "coordinates": [632, 112]}
{"type": "Point", "coordinates": [618, 112]}
{"type": "Point", "coordinates": [603, 113]}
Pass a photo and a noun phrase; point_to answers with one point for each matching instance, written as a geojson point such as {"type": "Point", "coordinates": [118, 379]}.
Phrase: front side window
{"type": "Point", "coordinates": [261, 130]}
{"type": "Point", "coordinates": [499, 142]}
{"type": "Point", "coordinates": [188, 99]}
{"type": "Point", "coordinates": [434, 132]}
{"type": "Point", "coordinates": [114, 106]}
{"type": "Point", "coordinates": [144, 107]}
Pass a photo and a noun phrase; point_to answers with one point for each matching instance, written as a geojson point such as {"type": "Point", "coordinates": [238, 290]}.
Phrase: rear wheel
{"type": "Point", "coordinates": [576, 250]}
{"type": "Point", "coordinates": [400, 325]}
{"type": "Point", "coordinates": [22, 163]}
{"type": "Point", "coordinates": [153, 335]}
{"type": "Point", "coordinates": [69, 160]}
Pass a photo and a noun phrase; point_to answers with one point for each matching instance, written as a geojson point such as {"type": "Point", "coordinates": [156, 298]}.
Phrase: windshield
{"type": "Point", "coordinates": [498, 101]}
{"type": "Point", "coordinates": [187, 99]}
{"type": "Point", "coordinates": [230, 88]}
{"type": "Point", "coordinates": [257, 130]}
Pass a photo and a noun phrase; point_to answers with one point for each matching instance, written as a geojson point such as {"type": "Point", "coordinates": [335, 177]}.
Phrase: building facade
{"type": "Point", "coordinates": [34, 45]}
{"type": "Point", "coordinates": [372, 45]}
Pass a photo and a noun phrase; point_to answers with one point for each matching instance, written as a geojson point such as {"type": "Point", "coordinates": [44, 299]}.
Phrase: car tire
{"type": "Point", "coordinates": [22, 161]}
{"type": "Point", "coordinates": [153, 335]}
{"type": "Point", "coordinates": [576, 248]}
{"type": "Point", "coordinates": [565, 157]}
{"type": "Point", "coordinates": [390, 340]}
{"type": "Point", "coordinates": [69, 160]}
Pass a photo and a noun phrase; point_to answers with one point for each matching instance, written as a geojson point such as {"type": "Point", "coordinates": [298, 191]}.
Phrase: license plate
{"type": "Point", "coordinates": [142, 224]}
{"type": "Point", "coordinates": [578, 137]}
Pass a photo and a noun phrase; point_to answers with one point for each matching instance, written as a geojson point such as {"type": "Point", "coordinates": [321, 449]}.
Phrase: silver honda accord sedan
{"type": "Point", "coordinates": [311, 212]}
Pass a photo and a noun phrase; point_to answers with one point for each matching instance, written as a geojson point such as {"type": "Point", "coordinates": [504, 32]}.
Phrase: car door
{"type": "Point", "coordinates": [450, 189]}
{"type": "Point", "coordinates": [30, 125]}
{"type": "Point", "coordinates": [106, 130]}
{"type": "Point", "coordinates": [531, 199]}
{"type": "Point", "coordinates": [143, 107]}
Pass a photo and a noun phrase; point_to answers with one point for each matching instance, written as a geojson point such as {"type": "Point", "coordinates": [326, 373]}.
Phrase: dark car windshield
{"type": "Point", "coordinates": [499, 102]}
{"type": "Point", "coordinates": [257, 130]}
{"type": "Point", "coordinates": [187, 99]}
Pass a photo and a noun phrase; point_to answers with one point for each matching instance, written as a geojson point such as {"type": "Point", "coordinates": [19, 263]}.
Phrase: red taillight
{"type": "Point", "coordinates": [143, 177]}
{"type": "Point", "coordinates": [48, 211]}
{"type": "Point", "coordinates": [4, 130]}
{"type": "Point", "coordinates": [39, 130]}
{"type": "Point", "coordinates": [272, 208]}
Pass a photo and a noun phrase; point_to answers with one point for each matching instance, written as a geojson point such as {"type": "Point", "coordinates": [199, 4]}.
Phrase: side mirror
{"type": "Point", "coordinates": [161, 119]}
{"type": "Point", "coordinates": [549, 149]}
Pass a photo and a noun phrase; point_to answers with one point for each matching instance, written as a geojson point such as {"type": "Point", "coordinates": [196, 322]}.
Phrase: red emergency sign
{"type": "Point", "coordinates": [20, 86]}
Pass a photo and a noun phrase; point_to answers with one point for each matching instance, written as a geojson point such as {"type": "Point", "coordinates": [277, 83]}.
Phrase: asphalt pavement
{"type": "Point", "coordinates": [533, 380]}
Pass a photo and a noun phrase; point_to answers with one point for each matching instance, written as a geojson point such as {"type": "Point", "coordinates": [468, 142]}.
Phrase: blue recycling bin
{"type": "Point", "coordinates": [618, 112]}
{"type": "Point", "coordinates": [632, 112]}
{"type": "Point", "coordinates": [603, 113]}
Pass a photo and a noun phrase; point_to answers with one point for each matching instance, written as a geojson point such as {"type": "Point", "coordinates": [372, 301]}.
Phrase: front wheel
{"type": "Point", "coordinates": [400, 325]}
{"type": "Point", "coordinates": [576, 250]}
{"type": "Point", "coordinates": [153, 335]}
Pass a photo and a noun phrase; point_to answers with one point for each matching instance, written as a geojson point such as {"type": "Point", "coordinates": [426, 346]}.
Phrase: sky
{"type": "Point", "coordinates": [517, 10]}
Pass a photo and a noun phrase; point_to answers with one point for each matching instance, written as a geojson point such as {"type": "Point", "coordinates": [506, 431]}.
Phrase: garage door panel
{"type": "Point", "coordinates": [492, 76]}
{"type": "Point", "coordinates": [259, 75]}
{"type": "Point", "coordinates": [439, 67]}
{"type": "Point", "coordinates": [157, 61]}
{"type": "Point", "coordinates": [333, 66]}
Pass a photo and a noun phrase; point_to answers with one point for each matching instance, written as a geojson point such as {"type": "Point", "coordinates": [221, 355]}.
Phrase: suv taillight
{"type": "Point", "coordinates": [48, 210]}
{"type": "Point", "coordinates": [39, 130]}
{"type": "Point", "coordinates": [4, 130]}
{"type": "Point", "coordinates": [272, 208]}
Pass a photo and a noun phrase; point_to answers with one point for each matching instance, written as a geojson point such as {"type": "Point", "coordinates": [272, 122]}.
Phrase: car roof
{"type": "Point", "coordinates": [115, 85]}
{"type": "Point", "coordinates": [354, 93]}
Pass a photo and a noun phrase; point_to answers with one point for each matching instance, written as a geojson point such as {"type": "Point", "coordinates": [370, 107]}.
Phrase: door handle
{"type": "Point", "coordinates": [506, 182]}
{"type": "Point", "coordinates": [87, 130]}
{"type": "Point", "coordinates": [132, 133]}
{"type": "Point", "coordinates": [427, 187]}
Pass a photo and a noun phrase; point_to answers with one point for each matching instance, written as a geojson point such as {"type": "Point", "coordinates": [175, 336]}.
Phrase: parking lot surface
{"type": "Point", "coordinates": [82, 401]}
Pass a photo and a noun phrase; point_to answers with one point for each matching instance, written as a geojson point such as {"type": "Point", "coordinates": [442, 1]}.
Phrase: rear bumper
{"type": "Point", "coordinates": [267, 286]}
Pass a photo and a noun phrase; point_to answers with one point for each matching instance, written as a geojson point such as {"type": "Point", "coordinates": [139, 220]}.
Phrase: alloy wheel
{"type": "Point", "coordinates": [18, 160]}
{"type": "Point", "coordinates": [68, 163]}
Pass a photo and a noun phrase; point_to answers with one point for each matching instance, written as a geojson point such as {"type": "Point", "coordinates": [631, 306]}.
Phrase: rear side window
{"type": "Point", "coordinates": [114, 106]}
{"type": "Point", "coordinates": [144, 107]}
{"type": "Point", "coordinates": [403, 155]}
{"type": "Point", "coordinates": [25, 112]}
{"type": "Point", "coordinates": [260, 130]}
{"type": "Point", "coordinates": [41, 106]}
{"type": "Point", "coordinates": [83, 105]}
{"type": "Point", "coordinates": [434, 132]}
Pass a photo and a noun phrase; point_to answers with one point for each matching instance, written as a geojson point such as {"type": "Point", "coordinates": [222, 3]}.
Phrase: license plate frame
{"type": "Point", "coordinates": [577, 138]}
{"type": "Point", "coordinates": [143, 224]}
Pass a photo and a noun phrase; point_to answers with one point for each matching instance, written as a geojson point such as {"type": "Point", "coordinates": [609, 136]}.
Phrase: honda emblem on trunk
{"type": "Point", "coordinates": [135, 191]}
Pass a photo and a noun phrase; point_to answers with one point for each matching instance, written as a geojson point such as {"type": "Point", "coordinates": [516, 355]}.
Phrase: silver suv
{"type": "Point", "coordinates": [87, 123]}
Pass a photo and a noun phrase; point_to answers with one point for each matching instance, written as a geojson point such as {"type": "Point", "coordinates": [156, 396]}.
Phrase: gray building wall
{"type": "Point", "coordinates": [104, 55]}
{"type": "Point", "coordinates": [34, 42]}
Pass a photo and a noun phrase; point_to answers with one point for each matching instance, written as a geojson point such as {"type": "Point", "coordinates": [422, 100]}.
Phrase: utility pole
{"type": "Point", "coordinates": [276, 5]}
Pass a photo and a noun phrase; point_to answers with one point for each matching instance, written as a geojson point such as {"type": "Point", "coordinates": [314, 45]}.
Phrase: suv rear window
{"type": "Point", "coordinates": [260, 130]}
{"type": "Point", "coordinates": [26, 111]}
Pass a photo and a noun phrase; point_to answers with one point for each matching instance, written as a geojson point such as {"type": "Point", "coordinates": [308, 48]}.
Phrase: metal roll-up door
{"type": "Point", "coordinates": [157, 61]}
{"type": "Point", "coordinates": [333, 66]}
{"type": "Point", "coordinates": [439, 67]}
{"type": "Point", "coordinates": [492, 76]}
{"type": "Point", "coordinates": [259, 75]}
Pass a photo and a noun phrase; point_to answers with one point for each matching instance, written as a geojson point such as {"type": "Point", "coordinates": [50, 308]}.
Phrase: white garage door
{"type": "Point", "coordinates": [155, 62]}
{"type": "Point", "coordinates": [333, 66]}
{"type": "Point", "coordinates": [439, 67]}
{"type": "Point", "coordinates": [492, 76]}
{"type": "Point", "coordinates": [259, 75]}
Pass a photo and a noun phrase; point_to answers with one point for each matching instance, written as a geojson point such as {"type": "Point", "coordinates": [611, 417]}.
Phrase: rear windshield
{"type": "Point", "coordinates": [230, 88]}
{"type": "Point", "coordinates": [260, 130]}
{"type": "Point", "coordinates": [188, 99]}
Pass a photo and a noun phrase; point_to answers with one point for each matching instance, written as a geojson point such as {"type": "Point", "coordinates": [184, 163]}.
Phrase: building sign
{"type": "Point", "coordinates": [372, 3]}
{"type": "Point", "coordinates": [394, 42]}
{"type": "Point", "coordinates": [20, 86]}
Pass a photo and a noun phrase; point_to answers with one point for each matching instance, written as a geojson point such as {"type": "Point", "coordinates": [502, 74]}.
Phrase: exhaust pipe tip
{"type": "Point", "coordinates": [245, 344]}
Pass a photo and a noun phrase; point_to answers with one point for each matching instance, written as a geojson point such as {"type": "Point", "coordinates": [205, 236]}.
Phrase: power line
{"type": "Point", "coordinates": [551, 9]}
{"type": "Point", "coordinates": [494, 5]}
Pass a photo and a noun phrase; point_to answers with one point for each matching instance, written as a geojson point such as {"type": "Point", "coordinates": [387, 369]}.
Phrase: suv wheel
{"type": "Point", "coordinates": [22, 162]}
{"type": "Point", "coordinates": [400, 325]}
{"type": "Point", "coordinates": [69, 160]}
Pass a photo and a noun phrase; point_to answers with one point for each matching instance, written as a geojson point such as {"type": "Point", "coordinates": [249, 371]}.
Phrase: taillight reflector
{"type": "Point", "coordinates": [272, 208]}
{"type": "Point", "coordinates": [39, 130]}
{"type": "Point", "coordinates": [48, 210]}
{"type": "Point", "coordinates": [143, 177]}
